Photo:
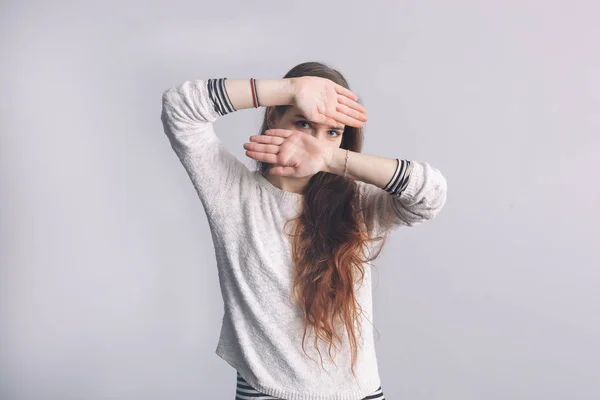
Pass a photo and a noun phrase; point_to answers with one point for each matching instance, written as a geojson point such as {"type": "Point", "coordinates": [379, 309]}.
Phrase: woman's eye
{"type": "Point", "coordinates": [306, 122]}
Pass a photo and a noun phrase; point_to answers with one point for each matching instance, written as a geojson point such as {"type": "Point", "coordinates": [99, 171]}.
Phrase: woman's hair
{"type": "Point", "coordinates": [329, 239]}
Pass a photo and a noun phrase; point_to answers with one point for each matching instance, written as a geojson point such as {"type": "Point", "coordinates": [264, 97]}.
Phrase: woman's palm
{"type": "Point", "coordinates": [325, 102]}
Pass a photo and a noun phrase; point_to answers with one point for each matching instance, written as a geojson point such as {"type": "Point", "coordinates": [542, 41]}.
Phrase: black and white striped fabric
{"type": "Point", "coordinates": [400, 178]}
{"type": "Point", "coordinates": [246, 392]}
{"type": "Point", "coordinates": [219, 96]}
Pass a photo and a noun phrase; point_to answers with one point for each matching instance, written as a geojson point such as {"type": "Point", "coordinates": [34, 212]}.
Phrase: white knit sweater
{"type": "Point", "coordinates": [261, 332]}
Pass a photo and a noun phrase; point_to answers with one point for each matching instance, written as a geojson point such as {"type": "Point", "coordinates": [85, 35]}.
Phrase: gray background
{"type": "Point", "coordinates": [109, 288]}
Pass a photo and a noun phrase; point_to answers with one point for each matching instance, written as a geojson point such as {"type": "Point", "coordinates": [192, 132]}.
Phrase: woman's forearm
{"type": "Point", "coordinates": [368, 168]}
{"type": "Point", "coordinates": [271, 92]}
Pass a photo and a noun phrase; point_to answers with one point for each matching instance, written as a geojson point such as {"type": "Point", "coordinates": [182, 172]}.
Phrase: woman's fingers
{"type": "Point", "coordinates": [346, 92]}
{"type": "Point", "coordinates": [262, 148]}
{"type": "Point", "coordinates": [346, 119]}
{"type": "Point", "coordinates": [267, 138]}
{"type": "Point", "coordinates": [352, 112]}
{"type": "Point", "coordinates": [265, 157]}
{"type": "Point", "coordinates": [352, 104]}
{"type": "Point", "coordinates": [346, 116]}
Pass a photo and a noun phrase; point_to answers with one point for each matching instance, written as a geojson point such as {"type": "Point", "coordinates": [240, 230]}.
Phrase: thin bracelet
{"type": "Point", "coordinates": [256, 93]}
{"type": "Point", "coordinates": [253, 90]}
{"type": "Point", "coordinates": [346, 163]}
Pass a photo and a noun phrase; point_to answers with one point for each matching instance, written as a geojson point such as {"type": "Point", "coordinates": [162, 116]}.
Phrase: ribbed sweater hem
{"type": "Point", "coordinates": [286, 394]}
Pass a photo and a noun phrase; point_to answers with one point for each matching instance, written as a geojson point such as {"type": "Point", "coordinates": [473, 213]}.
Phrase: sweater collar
{"type": "Point", "coordinates": [264, 182]}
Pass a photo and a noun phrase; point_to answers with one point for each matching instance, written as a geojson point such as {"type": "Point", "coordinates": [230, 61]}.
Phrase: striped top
{"type": "Point", "coordinates": [261, 331]}
{"type": "Point", "coordinates": [244, 391]}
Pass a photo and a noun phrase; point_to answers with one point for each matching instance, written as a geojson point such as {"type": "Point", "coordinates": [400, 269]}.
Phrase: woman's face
{"type": "Point", "coordinates": [294, 120]}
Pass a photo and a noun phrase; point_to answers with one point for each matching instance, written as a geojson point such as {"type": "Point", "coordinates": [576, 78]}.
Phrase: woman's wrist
{"type": "Point", "coordinates": [275, 92]}
{"type": "Point", "coordinates": [270, 92]}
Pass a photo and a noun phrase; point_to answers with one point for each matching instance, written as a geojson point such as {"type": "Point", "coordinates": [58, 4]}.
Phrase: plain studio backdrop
{"type": "Point", "coordinates": [109, 287]}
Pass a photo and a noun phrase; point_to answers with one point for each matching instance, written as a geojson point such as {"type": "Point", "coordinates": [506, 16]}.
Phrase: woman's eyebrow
{"type": "Point", "coordinates": [338, 128]}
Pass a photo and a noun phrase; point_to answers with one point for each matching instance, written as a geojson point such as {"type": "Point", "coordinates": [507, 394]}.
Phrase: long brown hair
{"type": "Point", "coordinates": [329, 239]}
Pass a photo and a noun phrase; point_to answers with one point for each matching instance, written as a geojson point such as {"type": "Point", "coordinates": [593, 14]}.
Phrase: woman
{"type": "Point", "coordinates": [281, 288]}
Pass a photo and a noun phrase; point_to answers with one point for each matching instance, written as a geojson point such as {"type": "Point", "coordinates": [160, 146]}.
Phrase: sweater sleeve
{"type": "Point", "coordinates": [188, 113]}
{"type": "Point", "coordinates": [422, 199]}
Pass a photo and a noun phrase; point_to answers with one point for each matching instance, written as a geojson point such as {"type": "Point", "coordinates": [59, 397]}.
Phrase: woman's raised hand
{"type": "Point", "coordinates": [294, 153]}
{"type": "Point", "coordinates": [325, 102]}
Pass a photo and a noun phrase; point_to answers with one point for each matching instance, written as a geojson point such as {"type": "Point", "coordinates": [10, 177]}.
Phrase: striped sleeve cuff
{"type": "Point", "coordinates": [400, 179]}
{"type": "Point", "coordinates": [219, 97]}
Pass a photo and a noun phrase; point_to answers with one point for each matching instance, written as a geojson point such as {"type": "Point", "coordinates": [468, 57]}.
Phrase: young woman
{"type": "Point", "coordinates": [294, 238]}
